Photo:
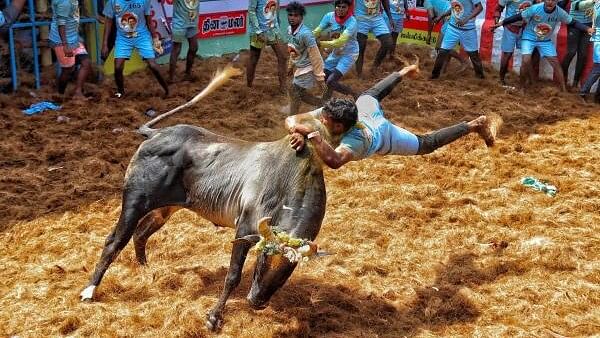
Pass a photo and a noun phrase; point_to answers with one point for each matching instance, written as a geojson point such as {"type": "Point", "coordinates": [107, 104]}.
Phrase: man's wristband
{"type": "Point", "coordinates": [313, 134]}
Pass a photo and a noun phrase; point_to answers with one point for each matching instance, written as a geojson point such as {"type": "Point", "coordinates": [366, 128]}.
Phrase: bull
{"type": "Point", "coordinates": [232, 183]}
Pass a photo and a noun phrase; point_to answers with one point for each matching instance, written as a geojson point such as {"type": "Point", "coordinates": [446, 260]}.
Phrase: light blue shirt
{"type": "Point", "coordinates": [462, 9]}
{"type": "Point", "coordinates": [540, 24]}
{"type": "Point", "coordinates": [65, 13]}
{"type": "Point", "coordinates": [130, 16]}
{"type": "Point", "coordinates": [596, 35]}
{"type": "Point", "coordinates": [367, 7]}
{"type": "Point", "coordinates": [439, 6]}
{"type": "Point", "coordinates": [185, 13]}
{"type": "Point", "coordinates": [2, 19]}
{"type": "Point", "coordinates": [298, 44]}
{"type": "Point", "coordinates": [397, 7]}
{"type": "Point", "coordinates": [514, 7]}
{"type": "Point", "coordinates": [350, 28]}
{"type": "Point", "coordinates": [263, 15]}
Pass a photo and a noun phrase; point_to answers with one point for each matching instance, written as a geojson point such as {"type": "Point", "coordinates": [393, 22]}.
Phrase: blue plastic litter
{"type": "Point", "coordinates": [40, 107]}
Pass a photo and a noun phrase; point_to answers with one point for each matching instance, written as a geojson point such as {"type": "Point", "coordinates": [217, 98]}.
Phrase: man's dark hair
{"type": "Point", "coordinates": [339, 2]}
{"type": "Point", "coordinates": [343, 111]}
{"type": "Point", "coordinates": [296, 7]}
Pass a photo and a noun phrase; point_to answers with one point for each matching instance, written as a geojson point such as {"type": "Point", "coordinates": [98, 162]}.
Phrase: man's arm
{"type": "Point", "coordinates": [334, 159]}
{"type": "Point", "coordinates": [386, 9]}
{"type": "Point", "coordinates": [477, 8]}
{"type": "Point", "coordinates": [498, 13]}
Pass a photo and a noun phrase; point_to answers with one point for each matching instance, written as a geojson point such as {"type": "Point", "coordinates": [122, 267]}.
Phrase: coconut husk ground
{"type": "Point", "coordinates": [447, 244]}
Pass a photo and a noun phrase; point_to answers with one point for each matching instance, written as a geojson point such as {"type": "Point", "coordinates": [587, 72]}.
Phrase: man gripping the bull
{"type": "Point", "coordinates": [363, 129]}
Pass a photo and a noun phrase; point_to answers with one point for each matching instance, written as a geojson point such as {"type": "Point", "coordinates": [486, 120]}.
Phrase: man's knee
{"type": "Point", "coordinates": [386, 40]}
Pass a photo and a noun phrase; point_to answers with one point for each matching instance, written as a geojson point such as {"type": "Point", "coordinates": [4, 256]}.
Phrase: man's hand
{"type": "Point", "coordinates": [105, 52]}
{"type": "Point", "coordinates": [301, 129]}
{"type": "Point", "coordinates": [157, 45]}
{"type": "Point", "coordinates": [436, 20]}
{"type": "Point", "coordinates": [496, 25]}
{"type": "Point", "coordinates": [262, 37]}
{"type": "Point", "coordinates": [591, 31]}
{"type": "Point", "coordinates": [297, 141]}
{"type": "Point", "coordinates": [68, 50]}
{"type": "Point", "coordinates": [460, 22]}
{"type": "Point", "coordinates": [428, 40]}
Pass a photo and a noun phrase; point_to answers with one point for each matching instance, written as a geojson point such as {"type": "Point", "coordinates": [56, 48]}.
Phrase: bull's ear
{"type": "Point", "coordinates": [252, 239]}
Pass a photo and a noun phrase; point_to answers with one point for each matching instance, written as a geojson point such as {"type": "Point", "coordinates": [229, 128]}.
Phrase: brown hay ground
{"type": "Point", "coordinates": [409, 234]}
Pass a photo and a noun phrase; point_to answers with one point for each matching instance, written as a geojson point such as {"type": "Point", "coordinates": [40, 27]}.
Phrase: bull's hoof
{"type": "Point", "coordinates": [87, 294]}
{"type": "Point", "coordinates": [214, 322]}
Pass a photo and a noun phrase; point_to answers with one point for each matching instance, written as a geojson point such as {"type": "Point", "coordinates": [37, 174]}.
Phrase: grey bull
{"type": "Point", "coordinates": [229, 182]}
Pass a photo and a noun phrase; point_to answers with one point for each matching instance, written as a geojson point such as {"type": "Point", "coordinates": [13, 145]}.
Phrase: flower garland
{"type": "Point", "coordinates": [294, 249]}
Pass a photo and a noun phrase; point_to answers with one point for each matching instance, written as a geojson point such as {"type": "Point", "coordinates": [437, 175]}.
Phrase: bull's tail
{"type": "Point", "coordinates": [218, 80]}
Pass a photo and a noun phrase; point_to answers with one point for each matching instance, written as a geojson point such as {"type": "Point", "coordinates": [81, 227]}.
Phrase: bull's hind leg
{"type": "Point", "coordinates": [132, 211]}
{"type": "Point", "coordinates": [153, 221]}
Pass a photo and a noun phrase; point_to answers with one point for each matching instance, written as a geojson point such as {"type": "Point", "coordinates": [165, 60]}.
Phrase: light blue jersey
{"type": "Point", "coordinates": [130, 16]}
{"type": "Point", "coordinates": [185, 13]}
{"type": "Point", "coordinates": [298, 44]}
{"type": "Point", "coordinates": [374, 134]}
{"type": "Point", "coordinates": [513, 7]}
{"type": "Point", "coordinates": [462, 9]}
{"type": "Point", "coordinates": [65, 13]}
{"type": "Point", "coordinates": [540, 24]}
{"type": "Point", "coordinates": [263, 15]}
{"type": "Point", "coordinates": [596, 24]}
{"type": "Point", "coordinates": [367, 8]}
{"type": "Point", "coordinates": [439, 6]}
{"type": "Point", "coordinates": [350, 28]}
{"type": "Point", "coordinates": [581, 15]}
{"type": "Point", "coordinates": [2, 19]}
{"type": "Point", "coordinates": [397, 7]}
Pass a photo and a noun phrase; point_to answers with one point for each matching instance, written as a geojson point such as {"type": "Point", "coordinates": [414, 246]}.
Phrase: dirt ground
{"type": "Point", "coordinates": [411, 236]}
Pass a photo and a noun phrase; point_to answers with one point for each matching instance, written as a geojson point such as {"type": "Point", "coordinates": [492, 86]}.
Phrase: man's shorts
{"type": "Point", "coordinates": [143, 43]}
{"type": "Point", "coordinates": [596, 54]}
{"type": "Point", "coordinates": [510, 40]}
{"type": "Point", "coordinates": [467, 38]}
{"type": "Point", "coordinates": [398, 20]}
{"type": "Point", "coordinates": [68, 61]}
{"type": "Point", "coordinates": [273, 37]}
{"type": "Point", "coordinates": [343, 62]}
{"type": "Point", "coordinates": [375, 24]}
{"type": "Point", "coordinates": [546, 48]}
{"type": "Point", "coordinates": [184, 33]}
{"type": "Point", "coordinates": [306, 80]}
{"type": "Point", "coordinates": [440, 38]}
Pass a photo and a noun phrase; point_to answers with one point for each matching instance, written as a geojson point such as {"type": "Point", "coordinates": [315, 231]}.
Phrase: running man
{"type": "Point", "coordinates": [437, 11]}
{"type": "Point", "coordinates": [342, 27]}
{"type": "Point", "coordinates": [399, 11]}
{"type": "Point", "coordinates": [184, 27]}
{"type": "Point", "coordinates": [595, 73]}
{"type": "Point", "coordinates": [540, 20]}
{"type": "Point", "coordinates": [134, 30]}
{"type": "Point", "coordinates": [578, 42]}
{"type": "Point", "coordinates": [364, 131]}
{"type": "Point", "coordinates": [461, 28]}
{"type": "Point", "coordinates": [306, 58]}
{"type": "Point", "coordinates": [370, 20]}
{"type": "Point", "coordinates": [263, 25]}
{"type": "Point", "coordinates": [511, 35]}
{"type": "Point", "coordinates": [69, 50]}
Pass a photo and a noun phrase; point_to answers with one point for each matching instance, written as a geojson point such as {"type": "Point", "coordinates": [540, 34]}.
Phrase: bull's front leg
{"type": "Point", "coordinates": [234, 275]}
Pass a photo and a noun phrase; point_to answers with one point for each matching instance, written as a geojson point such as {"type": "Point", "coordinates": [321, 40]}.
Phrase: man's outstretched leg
{"type": "Point", "coordinates": [486, 126]}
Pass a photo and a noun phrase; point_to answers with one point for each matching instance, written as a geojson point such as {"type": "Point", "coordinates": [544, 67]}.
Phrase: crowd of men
{"type": "Point", "coordinates": [341, 35]}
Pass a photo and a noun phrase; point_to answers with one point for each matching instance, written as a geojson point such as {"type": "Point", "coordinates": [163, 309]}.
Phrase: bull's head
{"type": "Point", "coordinates": [278, 255]}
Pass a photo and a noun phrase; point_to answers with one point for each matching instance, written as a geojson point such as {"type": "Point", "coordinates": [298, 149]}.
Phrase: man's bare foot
{"type": "Point", "coordinates": [487, 127]}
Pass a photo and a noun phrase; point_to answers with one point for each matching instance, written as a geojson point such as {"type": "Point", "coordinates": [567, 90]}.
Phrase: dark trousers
{"type": "Point", "coordinates": [578, 43]}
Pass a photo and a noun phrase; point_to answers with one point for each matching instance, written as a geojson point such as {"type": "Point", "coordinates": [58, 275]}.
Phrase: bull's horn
{"type": "Point", "coordinates": [264, 229]}
{"type": "Point", "coordinates": [252, 239]}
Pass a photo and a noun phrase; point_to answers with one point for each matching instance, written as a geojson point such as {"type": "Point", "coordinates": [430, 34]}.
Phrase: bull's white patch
{"type": "Point", "coordinates": [88, 293]}
{"type": "Point", "coordinates": [285, 207]}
